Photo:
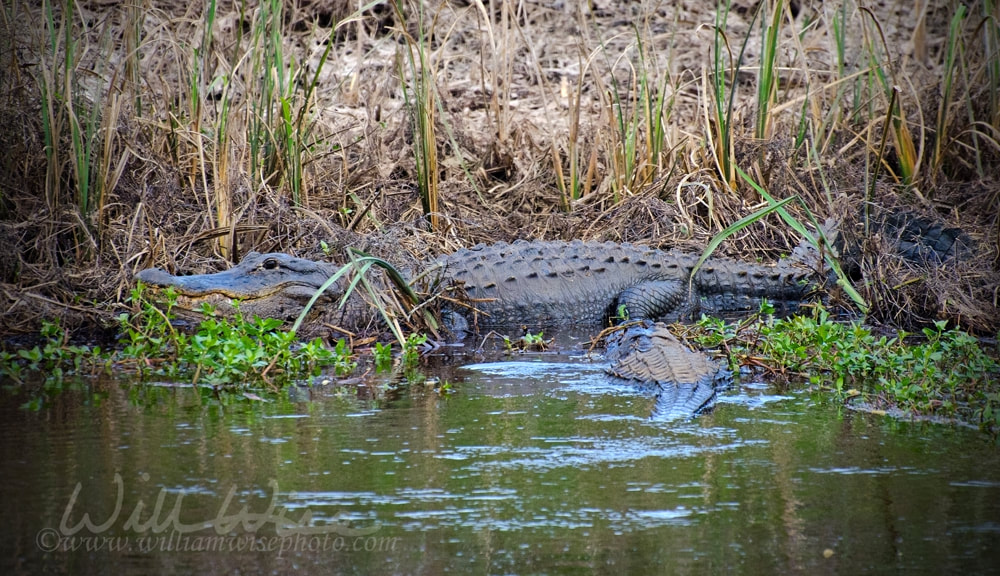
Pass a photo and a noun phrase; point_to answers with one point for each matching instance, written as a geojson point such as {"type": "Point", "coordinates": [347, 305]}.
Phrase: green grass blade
{"type": "Point", "coordinates": [734, 228]}
{"type": "Point", "coordinates": [820, 242]}
{"type": "Point", "coordinates": [361, 263]}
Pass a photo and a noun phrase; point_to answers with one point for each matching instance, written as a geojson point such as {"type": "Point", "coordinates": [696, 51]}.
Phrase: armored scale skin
{"type": "Point", "coordinates": [647, 355]}
{"type": "Point", "coordinates": [559, 283]}
{"type": "Point", "coordinates": [536, 284]}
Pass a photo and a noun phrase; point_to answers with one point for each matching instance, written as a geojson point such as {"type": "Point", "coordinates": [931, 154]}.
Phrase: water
{"type": "Point", "coordinates": [535, 466]}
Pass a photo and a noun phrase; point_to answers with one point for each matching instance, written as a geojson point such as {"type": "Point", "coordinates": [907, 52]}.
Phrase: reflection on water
{"type": "Point", "coordinates": [532, 466]}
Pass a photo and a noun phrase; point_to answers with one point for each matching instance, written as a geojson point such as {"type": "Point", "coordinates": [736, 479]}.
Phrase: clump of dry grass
{"type": "Point", "coordinates": [184, 135]}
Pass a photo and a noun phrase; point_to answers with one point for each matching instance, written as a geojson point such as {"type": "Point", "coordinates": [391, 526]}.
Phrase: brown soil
{"type": "Point", "coordinates": [508, 81]}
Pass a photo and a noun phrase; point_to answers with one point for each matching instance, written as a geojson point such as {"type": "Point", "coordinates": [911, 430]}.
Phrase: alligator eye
{"type": "Point", "coordinates": [270, 264]}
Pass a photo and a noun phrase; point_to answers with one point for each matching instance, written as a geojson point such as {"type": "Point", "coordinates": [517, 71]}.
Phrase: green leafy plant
{"type": "Point", "coordinates": [383, 356]}
{"type": "Point", "coordinates": [533, 339]}
{"type": "Point", "coordinates": [411, 350]}
{"type": "Point", "coordinates": [55, 357]}
{"type": "Point", "coordinates": [224, 351]}
{"type": "Point", "coordinates": [621, 314]}
{"type": "Point", "coordinates": [944, 371]}
{"type": "Point", "coordinates": [527, 341]}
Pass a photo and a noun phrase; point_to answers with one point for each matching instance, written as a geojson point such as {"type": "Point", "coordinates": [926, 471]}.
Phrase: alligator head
{"type": "Point", "coordinates": [266, 285]}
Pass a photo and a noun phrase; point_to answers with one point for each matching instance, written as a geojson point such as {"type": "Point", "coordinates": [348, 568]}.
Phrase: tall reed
{"type": "Point", "coordinates": [883, 77]}
{"type": "Point", "coordinates": [639, 116]}
{"type": "Point", "coordinates": [420, 97]}
{"type": "Point", "coordinates": [947, 87]}
{"type": "Point", "coordinates": [570, 180]}
{"type": "Point", "coordinates": [991, 49]}
{"type": "Point", "coordinates": [79, 115]}
{"type": "Point", "coordinates": [723, 99]}
{"type": "Point", "coordinates": [767, 80]}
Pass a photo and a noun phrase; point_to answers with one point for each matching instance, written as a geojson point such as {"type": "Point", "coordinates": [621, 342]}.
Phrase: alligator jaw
{"type": "Point", "coordinates": [265, 285]}
{"type": "Point", "coordinates": [196, 288]}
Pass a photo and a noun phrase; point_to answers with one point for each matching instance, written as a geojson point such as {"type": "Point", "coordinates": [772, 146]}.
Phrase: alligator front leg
{"type": "Point", "coordinates": [657, 299]}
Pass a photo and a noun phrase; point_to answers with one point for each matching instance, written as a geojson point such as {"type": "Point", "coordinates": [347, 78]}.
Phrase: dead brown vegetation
{"type": "Point", "coordinates": [275, 126]}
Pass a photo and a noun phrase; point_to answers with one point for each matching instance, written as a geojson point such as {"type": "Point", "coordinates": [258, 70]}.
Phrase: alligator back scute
{"type": "Point", "coordinates": [648, 352]}
{"type": "Point", "coordinates": [554, 282]}
{"type": "Point", "coordinates": [548, 282]}
{"type": "Point", "coordinates": [685, 381]}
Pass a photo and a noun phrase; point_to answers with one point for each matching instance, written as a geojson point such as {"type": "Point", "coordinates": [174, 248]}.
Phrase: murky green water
{"type": "Point", "coordinates": [534, 467]}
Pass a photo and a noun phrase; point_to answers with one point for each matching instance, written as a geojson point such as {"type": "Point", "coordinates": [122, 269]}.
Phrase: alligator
{"type": "Point", "coordinates": [648, 355]}
{"type": "Point", "coordinates": [539, 284]}
{"type": "Point", "coordinates": [533, 284]}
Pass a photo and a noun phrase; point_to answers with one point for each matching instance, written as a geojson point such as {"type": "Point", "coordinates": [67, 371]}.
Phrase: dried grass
{"type": "Point", "coordinates": [524, 109]}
